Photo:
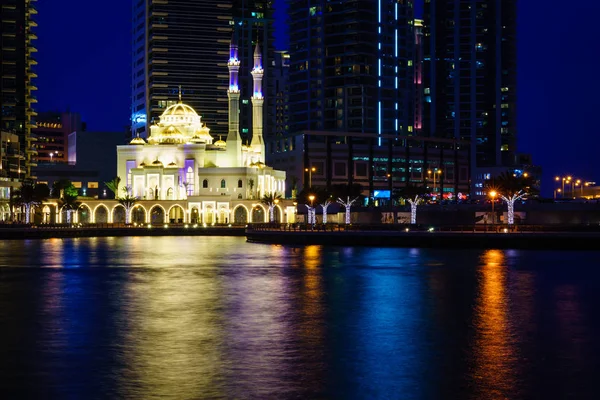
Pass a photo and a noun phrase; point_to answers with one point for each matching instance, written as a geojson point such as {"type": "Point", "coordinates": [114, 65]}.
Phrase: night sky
{"type": "Point", "coordinates": [85, 56]}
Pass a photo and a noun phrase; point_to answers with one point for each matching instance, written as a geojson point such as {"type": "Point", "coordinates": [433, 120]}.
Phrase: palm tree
{"type": "Point", "coordinates": [30, 195]}
{"type": "Point", "coordinates": [68, 201]}
{"type": "Point", "coordinates": [414, 195]}
{"type": "Point", "coordinates": [271, 200]}
{"type": "Point", "coordinates": [113, 185]}
{"type": "Point", "coordinates": [128, 201]}
{"type": "Point", "coordinates": [513, 187]}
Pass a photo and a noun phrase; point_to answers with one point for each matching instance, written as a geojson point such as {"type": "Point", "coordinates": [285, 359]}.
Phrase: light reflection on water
{"type": "Point", "coordinates": [213, 317]}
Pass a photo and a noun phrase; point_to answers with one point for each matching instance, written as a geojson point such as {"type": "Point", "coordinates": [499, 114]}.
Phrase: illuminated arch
{"type": "Point", "coordinates": [149, 215]}
{"type": "Point", "coordinates": [120, 217]}
{"type": "Point", "coordinates": [278, 213]}
{"type": "Point", "coordinates": [135, 213]}
{"type": "Point", "coordinates": [79, 217]}
{"type": "Point", "coordinates": [258, 213]}
{"type": "Point", "coordinates": [95, 214]}
{"type": "Point", "coordinates": [240, 217]}
{"type": "Point", "coordinates": [182, 213]}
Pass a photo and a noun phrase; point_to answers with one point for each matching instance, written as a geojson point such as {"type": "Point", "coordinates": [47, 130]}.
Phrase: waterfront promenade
{"type": "Point", "coordinates": [473, 236]}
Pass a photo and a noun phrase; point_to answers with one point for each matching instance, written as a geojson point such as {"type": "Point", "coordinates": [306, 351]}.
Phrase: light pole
{"type": "Point", "coordinates": [310, 171]}
{"type": "Point", "coordinates": [51, 155]}
{"type": "Point", "coordinates": [493, 196]}
{"type": "Point", "coordinates": [435, 172]}
{"type": "Point", "coordinates": [556, 191]}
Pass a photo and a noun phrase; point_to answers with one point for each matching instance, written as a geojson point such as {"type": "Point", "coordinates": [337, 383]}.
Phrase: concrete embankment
{"type": "Point", "coordinates": [463, 240]}
{"type": "Point", "coordinates": [46, 233]}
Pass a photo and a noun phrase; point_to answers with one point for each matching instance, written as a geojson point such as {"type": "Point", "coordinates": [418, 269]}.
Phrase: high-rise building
{"type": "Point", "coordinates": [471, 77]}
{"type": "Point", "coordinates": [418, 68]}
{"type": "Point", "coordinates": [185, 44]}
{"type": "Point", "coordinates": [352, 67]}
{"type": "Point", "coordinates": [16, 75]}
{"type": "Point", "coordinates": [52, 132]}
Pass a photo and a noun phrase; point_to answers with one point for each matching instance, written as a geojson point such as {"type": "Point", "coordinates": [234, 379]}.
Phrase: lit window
{"type": "Point", "coordinates": [189, 176]}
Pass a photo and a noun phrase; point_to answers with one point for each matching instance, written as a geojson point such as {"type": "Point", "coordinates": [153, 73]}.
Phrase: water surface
{"type": "Point", "coordinates": [216, 317]}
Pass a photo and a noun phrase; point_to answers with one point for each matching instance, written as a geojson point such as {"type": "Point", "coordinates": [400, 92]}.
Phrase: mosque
{"type": "Point", "coordinates": [182, 175]}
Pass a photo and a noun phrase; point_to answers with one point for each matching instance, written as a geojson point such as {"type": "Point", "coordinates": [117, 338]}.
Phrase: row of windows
{"type": "Point", "coordinates": [223, 184]}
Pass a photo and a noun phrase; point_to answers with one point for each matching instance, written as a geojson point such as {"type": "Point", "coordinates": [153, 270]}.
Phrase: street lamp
{"type": "Point", "coordinates": [493, 196]}
{"type": "Point", "coordinates": [556, 191]}
{"type": "Point", "coordinates": [435, 172]}
{"type": "Point", "coordinates": [310, 171]}
{"type": "Point", "coordinates": [51, 155]}
{"type": "Point", "coordinates": [311, 198]}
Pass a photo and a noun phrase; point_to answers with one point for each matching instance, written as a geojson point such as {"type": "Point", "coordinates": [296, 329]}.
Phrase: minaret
{"type": "Point", "coordinates": [257, 145]}
{"type": "Point", "coordinates": [234, 141]}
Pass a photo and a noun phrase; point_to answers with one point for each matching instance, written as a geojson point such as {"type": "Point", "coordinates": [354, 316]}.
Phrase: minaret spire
{"type": "Point", "coordinates": [180, 94]}
{"type": "Point", "coordinates": [257, 144]}
{"type": "Point", "coordinates": [234, 141]}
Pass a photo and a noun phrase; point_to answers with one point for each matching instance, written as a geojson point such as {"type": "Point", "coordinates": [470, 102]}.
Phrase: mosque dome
{"type": "Point", "coordinates": [157, 163]}
{"type": "Point", "coordinates": [179, 124]}
{"type": "Point", "coordinates": [179, 109]}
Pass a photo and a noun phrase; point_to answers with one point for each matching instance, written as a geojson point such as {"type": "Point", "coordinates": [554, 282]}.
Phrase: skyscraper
{"type": "Point", "coordinates": [16, 85]}
{"type": "Point", "coordinates": [471, 77]}
{"type": "Point", "coordinates": [352, 67]}
{"type": "Point", "coordinates": [186, 44]}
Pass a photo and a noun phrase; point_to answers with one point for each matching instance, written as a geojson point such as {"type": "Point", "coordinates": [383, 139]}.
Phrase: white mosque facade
{"type": "Point", "coordinates": [183, 175]}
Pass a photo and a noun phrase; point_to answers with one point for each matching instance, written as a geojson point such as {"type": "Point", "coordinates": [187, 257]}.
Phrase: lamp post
{"type": "Point", "coordinates": [556, 191]}
{"type": "Point", "coordinates": [51, 155]}
{"type": "Point", "coordinates": [310, 171]}
{"type": "Point", "coordinates": [435, 172]}
{"type": "Point", "coordinates": [493, 196]}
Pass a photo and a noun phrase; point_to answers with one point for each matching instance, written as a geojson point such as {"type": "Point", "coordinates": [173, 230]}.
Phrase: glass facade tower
{"type": "Point", "coordinates": [471, 76]}
{"type": "Point", "coordinates": [16, 85]}
{"type": "Point", "coordinates": [351, 67]}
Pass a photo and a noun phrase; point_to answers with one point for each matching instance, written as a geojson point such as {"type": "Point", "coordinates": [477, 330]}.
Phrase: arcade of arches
{"type": "Point", "coordinates": [172, 212]}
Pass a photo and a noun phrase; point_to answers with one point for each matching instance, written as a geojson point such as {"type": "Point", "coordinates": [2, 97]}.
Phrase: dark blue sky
{"type": "Point", "coordinates": [84, 65]}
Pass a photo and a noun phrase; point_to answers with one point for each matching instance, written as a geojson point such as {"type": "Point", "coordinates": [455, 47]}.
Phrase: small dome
{"type": "Point", "coordinates": [172, 165]}
{"type": "Point", "coordinates": [157, 163]}
{"type": "Point", "coordinates": [220, 143]}
{"type": "Point", "coordinates": [137, 141]}
{"type": "Point", "coordinates": [143, 164]}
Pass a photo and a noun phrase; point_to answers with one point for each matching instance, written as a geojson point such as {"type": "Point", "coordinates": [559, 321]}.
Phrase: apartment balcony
{"type": "Point", "coordinates": [31, 99]}
{"type": "Point", "coordinates": [31, 151]}
{"type": "Point", "coordinates": [32, 87]}
{"type": "Point", "coordinates": [31, 163]}
{"type": "Point", "coordinates": [31, 74]}
{"type": "Point", "coordinates": [31, 61]}
{"type": "Point", "coordinates": [31, 112]}
{"type": "Point", "coordinates": [32, 23]}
